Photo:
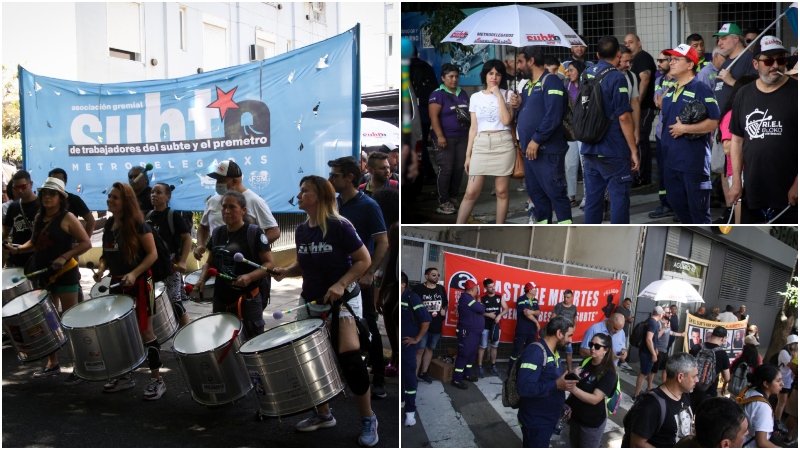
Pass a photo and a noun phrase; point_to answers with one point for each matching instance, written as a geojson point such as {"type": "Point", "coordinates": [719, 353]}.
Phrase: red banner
{"type": "Point", "coordinates": [595, 298]}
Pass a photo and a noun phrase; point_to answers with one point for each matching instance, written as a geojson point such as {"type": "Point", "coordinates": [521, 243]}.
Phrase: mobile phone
{"type": "Point", "coordinates": [572, 376]}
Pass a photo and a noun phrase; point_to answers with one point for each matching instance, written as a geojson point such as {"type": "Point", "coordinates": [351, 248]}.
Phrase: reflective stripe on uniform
{"type": "Point", "coordinates": [711, 99]}
{"type": "Point", "coordinates": [688, 94]}
{"type": "Point", "coordinates": [459, 370]}
{"type": "Point", "coordinates": [469, 366]}
{"type": "Point", "coordinates": [411, 392]}
{"type": "Point", "coordinates": [470, 303]}
{"type": "Point", "coordinates": [418, 307]}
{"type": "Point", "coordinates": [403, 304]}
{"type": "Point", "coordinates": [623, 90]}
{"type": "Point", "coordinates": [550, 359]}
{"type": "Point", "coordinates": [528, 366]}
{"type": "Point", "coordinates": [555, 91]}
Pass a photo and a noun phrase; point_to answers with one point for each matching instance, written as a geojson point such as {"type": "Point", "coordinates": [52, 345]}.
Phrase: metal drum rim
{"type": "Point", "coordinates": [269, 414]}
{"type": "Point", "coordinates": [122, 317]}
{"type": "Point", "coordinates": [225, 344]}
{"type": "Point", "coordinates": [315, 330]}
{"type": "Point", "coordinates": [37, 303]}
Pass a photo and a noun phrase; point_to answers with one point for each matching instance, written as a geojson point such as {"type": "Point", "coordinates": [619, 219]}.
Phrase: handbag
{"type": "Point", "coordinates": [461, 115]}
{"type": "Point", "coordinates": [519, 166]}
{"type": "Point", "coordinates": [717, 157]}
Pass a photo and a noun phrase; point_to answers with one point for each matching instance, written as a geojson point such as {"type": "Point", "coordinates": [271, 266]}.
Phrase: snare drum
{"type": "Point", "coordinates": [32, 323]}
{"type": "Point", "coordinates": [209, 359]}
{"type": "Point", "coordinates": [208, 290]}
{"type": "Point", "coordinates": [164, 323]}
{"type": "Point", "coordinates": [294, 366]}
{"type": "Point", "coordinates": [95, 292]}
{"type": "Point", "coordinates": [104, 337]}
{"type": "Point", "coordinates": [12, 290]}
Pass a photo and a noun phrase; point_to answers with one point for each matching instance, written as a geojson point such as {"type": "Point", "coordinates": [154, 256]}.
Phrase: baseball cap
{"type": "Point", "coordinates": [729, 28]}
{"type": "Point", "coordinates": [658, 310]}
{"type": "Point", "coordinates": [54, 184]}
{"type": "Point", "coordinates": [683, 50]}
{"type": "Point", "coordinates": [751, 340]}
{"type": "Point", "coordinates": [768, 45]}
{"type": "Point", "coordinates": [470, 284]}
{"type": "Point", "coordinates": [529, 286]}
{"type": "Point", "coordinates": [226, 169]}
{"type": "Point", "coordinates": [719, 331]}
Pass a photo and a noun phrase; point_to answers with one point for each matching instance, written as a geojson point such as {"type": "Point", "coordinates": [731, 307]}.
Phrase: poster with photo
{"type": "Point", "coordinates": [699, 331]}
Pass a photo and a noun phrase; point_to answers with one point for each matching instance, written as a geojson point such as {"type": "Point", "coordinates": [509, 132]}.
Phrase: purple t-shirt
{"type": "Point", "coordinates": [447, 116]}
{"type": "Point", "coordinates": [324, 260]}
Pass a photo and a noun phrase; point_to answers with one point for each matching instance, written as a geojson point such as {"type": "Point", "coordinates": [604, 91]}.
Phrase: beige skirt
{"type": "Point", "coordinates": [493, 154]}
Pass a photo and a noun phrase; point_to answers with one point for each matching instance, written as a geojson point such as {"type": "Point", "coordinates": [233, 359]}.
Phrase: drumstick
{"type": "Point", "coordinates": [780, 214]}
{"type": "Point", "coordinates": [240, 258]}
{"type": "Point", "coordinates": [105, 288]}
{"type": "Point", "coordinates": [212, 272]}
{"type": "Point", "coordinates": [279, 314]}
{"type": "Point", "coordinates": [90, 266]}
{"type": "Point", "coordinates": [228, 348]}
{"type": "Point", "coordinates": [15, 279]}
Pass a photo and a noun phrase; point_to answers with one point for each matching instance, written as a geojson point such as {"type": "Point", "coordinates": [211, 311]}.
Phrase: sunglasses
{"type": "Point", "coordinates": [664, 60]}
{"type": "Point", "coordinates": [21, 187]}
{"type": "Point", "coordinates": [781, 60]}
{"type": "Point", "coordinates": [48, 193]}
{"type": "Point", "coordinates": [596, 346]}
{"type": "Point", "coordinates": [334, 174]}
{"type": "Point", "coordinates": [747, 41]}
{"type": "Point", "coordinates": [434, 274]}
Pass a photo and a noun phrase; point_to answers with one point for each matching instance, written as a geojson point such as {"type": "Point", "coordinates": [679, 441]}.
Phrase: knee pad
{"type": "Point", "coordinates": [179, 309]}
{"type": "Point", "coordinates": [355, 371]}
{"type": "Point", "coordinates": [153, 354]}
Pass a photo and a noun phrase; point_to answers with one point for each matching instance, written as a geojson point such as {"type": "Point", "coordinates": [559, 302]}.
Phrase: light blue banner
{"type": "Point", "coordinates": [279, 119]}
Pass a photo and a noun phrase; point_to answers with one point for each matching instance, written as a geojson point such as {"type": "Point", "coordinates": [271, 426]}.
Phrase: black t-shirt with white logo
{"type": "Point", "coordinates": [492, 305]}
{"type": "Point", "coordinates": [768, 124]}
{"type": "Point", "coordinates": [21, 229]}
{"type": "Point", "coordinates": [434, 300]}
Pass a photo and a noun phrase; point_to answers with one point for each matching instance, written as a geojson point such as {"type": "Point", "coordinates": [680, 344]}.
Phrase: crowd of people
{"type": "Point", "coordinates": [688, 408]}
{"type": "Point", "coordinates": [41, 230]}
{"type": "Point", "coordinates": [709, 110]}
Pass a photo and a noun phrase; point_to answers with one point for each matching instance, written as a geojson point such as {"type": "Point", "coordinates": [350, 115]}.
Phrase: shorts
{"type": "Point", "coordinates": [429, 340]}
{"type": "Point", "coordinates": [311, 311]}
{"type": "Point", "coordinates": [646, 362]}
{"type": "Point", "coordinates": [661, 364]}
{"type": "Point", "coordinates": [791, 407]}
{"type": "Point", "coordinates": [495, 331]}
{"type": "Point", "coordinates": [69, 289]}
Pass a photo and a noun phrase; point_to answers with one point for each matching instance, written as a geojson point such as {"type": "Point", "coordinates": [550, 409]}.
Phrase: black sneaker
{"type": "Point", "coordinates": [472, 378]}
{"type": "Point", "coordinates": [661, 211]}
{"type": "Point", "coordinates": [45, 372]}
{"type": "Point", "coordinates": [426, 378]}
{"type": "Point", "coordinates": [72, 380]}
{"type": "Point", "coordinates": [379, 390]}
{"type": "Point", "coordinates": [459, 384]}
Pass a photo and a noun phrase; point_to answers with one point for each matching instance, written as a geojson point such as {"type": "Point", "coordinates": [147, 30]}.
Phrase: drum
{"type": "Point", "coordinates": [12, 290]}
{"type": "Point", "coordinates": [32, 323]}
{"type": "Point", "coordinates": [208, 290]}
{"type": "Point", "coordinates": [95, 292]}
{"type": "Point", "coordinates": [104, 336]}
{"type": "Point", "coordinates": [165, 325]}
{"type": "Point", "coordinates": [207, 350]}
{"type": "Point", "coordinates": [294, 368]}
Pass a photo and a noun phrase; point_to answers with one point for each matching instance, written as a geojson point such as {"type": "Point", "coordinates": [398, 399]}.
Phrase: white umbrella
{"type": "Point", "coordinates": [514, 25]}
{"type": "Point", "coordinates": [375, 133]}
{"type": "Point", "coordinates": [673, 291]}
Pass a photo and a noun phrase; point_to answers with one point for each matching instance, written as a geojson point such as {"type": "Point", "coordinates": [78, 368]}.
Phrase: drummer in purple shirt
{"type": "Point", "coordinates": [331, 258]}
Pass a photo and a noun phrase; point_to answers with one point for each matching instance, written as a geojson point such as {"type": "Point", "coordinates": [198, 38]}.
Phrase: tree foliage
{"type": "Point", "coordinates": [442, 18]}
{"type": "Point", "coordinates": [12, 144]}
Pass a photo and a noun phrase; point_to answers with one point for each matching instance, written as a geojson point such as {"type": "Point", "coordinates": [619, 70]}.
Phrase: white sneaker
{"type": "Point", "coordinates": [531, 220]}
{"type": "Point", "coordinates": [410, 420]}
{"type": "Point", "coordinates": [626, 366]}
{"type": "Point", "coordinates": [155, 389]}
{"type": "Point", "coordinates": [583, 203]}
{"type": "Point", "coordinates": [119, 384]}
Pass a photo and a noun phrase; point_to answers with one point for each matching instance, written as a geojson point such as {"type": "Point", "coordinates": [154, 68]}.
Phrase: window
{"type": "Point", "coordinates": [777, 283]}
{"type": "Point", "coordinates": [215, 49]}
{"type": "Point", "coordinates": [183, 33]}
{"type": "Point", "coordinates": [318, 12]}
{"type": "Point", "coordinates": [266, 41]}
{"type": "Point", "coordinates": [124, 31]}
{"type": "Point", "coordinates": [735, 277]}
{"type": "Point", "coordinates": [433, 253]}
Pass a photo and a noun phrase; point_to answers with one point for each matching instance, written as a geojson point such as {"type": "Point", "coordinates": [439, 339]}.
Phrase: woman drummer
{"type": "Point", "coordinates": [331, 258]}
{"type": "Point", "coordinates": [128, 252]}
{"type": "Point", "coordinates": [53, 231]}
{"type": "Point", "coordinates": [239, 295]}
{"type": "Point", "coordinates": [159, 221]}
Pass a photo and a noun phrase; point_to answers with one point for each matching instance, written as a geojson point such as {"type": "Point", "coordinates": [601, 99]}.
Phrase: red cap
{"type": "Point", "coordinates": [469, 285]}
{"type": "Point", "coordinates": [529, 286]}
{"type": "Point", "coordinates": [683, 50]}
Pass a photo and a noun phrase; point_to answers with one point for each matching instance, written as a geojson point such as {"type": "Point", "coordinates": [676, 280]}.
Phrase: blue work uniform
{"type": "Point", "coordinates": [470, 328]}
{"type": "Point", "coordinates": [662, 84]}
{"type": "Point", "coordinates": [412, 314]}
{"type": "Point", "coordinates": [539, 121]}
{"type": "Point", "coordinates": [540, 400]}
{"type": "Point", "coordinates": [607, 164]}
{"type": "Point", "coordinates": [687, 163]}
{"type": "Point", "coordinates": [526, 331]}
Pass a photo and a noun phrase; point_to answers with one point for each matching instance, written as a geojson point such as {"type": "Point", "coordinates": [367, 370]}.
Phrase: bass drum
{"type": "Point", "coordinates": [208, 291]}
{"type": "Point", "coordinates": [11, 289]}
{"type": "Point", "coordinates": [207, 350]}
{"type": "Point", "coordinates": [32, 323]}
{"type": "Point", "coordinates": [104, 336]}
{"type": "Point", "coordinates": [164, 323]}
{"type": "Point", "coordinates": [294, 367]}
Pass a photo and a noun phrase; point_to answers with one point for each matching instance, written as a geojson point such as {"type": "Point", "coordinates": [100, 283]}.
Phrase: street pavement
{"type": "Point", "coordinates": [643, 201]}
{"type": "Point", "coordinates": [44, 413]}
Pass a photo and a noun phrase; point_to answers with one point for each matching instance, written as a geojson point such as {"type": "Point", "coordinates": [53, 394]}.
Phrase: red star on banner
{"type": "Point", "coordinates": [224, 101]}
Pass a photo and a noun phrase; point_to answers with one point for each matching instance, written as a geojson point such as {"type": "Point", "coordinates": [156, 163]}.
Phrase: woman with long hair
{"type": "Point", "coordinates": [598, 380]}
{"type": "Point", "coordinates": [748, 355]}
{"type": "Point", "coordinates": [331, 258]}
{"type": "Point", "coordinates": [128, 252]}
{"type": "Point", "coordinates": [178, 240]}
{"type": "Point", "coordinates": [573, 158]}
{"type": "Point", "coordinates": [490, 147]}
{"type": "Point", "coordinates": [766, 380]}
{"type": "Point", "coordinates": [241, 294]}
{"type": "Point", "coordinates": [54, 230]}
{"type": "Point", "coordinates": [449, 136]}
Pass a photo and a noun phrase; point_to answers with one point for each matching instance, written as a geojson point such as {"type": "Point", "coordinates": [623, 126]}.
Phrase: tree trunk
{"type": "Point", "coordinates": [784, 321]}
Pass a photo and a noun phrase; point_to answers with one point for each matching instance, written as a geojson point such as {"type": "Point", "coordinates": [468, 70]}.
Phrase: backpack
{"type": "Point", "coordinates": [741, 401]}
{"type": "Point", "coordinates": [589, 122]}
{"type": "Point", "coordinates": [636, 410]}
{"type": "Point", "coordinates": [773, 360]}
{"type": "Point", "coordinates": [510, 396]}
{"type": "Point", "coordinates": [739, 379]}
{"type": "Point", "coordinates": [638, 333]}
{"type": "Point", "coordinates": [612, 403]}
{"type": "Point", "coordinates": [707, 368]}
{"type": "Point", "coordinates": [177, 242]}
{"type": "Point", "coordinates": [265, 284]}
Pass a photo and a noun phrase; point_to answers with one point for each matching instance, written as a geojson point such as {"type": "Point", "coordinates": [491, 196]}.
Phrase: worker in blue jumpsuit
{"type": "Point", "coordinates": [541, 138]}
{"type": "Point", "coordinates": [541, 384]}
{"type": "Point", "coordinates": [527, 330]}
{"type": "Point", "coordinates": [469, 330]}
{"type": "Point", "coordinates": [687, 168]}
{"type": "Point", "coordinates": [608, 163]}
{"type": "Point", "coordinates": [414, 322]}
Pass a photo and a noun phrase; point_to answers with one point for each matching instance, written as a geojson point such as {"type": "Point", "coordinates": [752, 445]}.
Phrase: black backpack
{"type": "Point", "coordinates": [589, 122]}
{"type": "Point", "coordinates": [177, 242]}
{"type": "Point", "coordinates": [636, 409]}
{"type": "Point", "coordinates": [638, 333]}
{"type": "Point", "coordinates": [707, 368]}
{"type": "Point", "coordinates": [163, 266]}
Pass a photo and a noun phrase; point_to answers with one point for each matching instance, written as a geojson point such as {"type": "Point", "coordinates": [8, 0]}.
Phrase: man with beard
{"type": "Point", "coordinates": [663, 83]}
{"type": "Point", "coordinates": [434, 298]}
{"type": "Point", "coordinates": [578, 54]}
{"type": "Point", "coordinates": [380, 174]}
{"type": "Point", "coordinates": [468, 332]}
{"type": "Point", "coordinates": [496, 308]}
{"type": "Point", "coordinates": [18, 221]}
{"type": "Point", "coordinates": [140, 183]}
{"type": "Point", "coordinates": [687, 166]}
{"type": "Point", "coordinates": [764, 129]}
{"type": "Point", "coordinates": [731, 44]}
{"type": "Point", "coordinates": [541, 384]}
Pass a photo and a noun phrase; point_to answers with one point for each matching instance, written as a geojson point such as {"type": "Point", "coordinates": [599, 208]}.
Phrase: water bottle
{"type": "Point", "coordinates": [563, 421]}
